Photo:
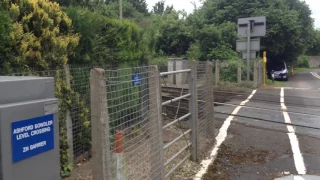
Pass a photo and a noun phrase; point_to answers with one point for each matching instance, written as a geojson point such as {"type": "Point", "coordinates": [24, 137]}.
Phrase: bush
{"type": "Point", "coordinates": [160, 61]}
{"type": "Point", "coordinates": [5, 41]}
{"type": "Point", "coordinates": [303, 62]}
{"type": "Point", "coordinates": [118, 42]}
{"type": "Point", "coordinates": [105, 40]}
{"type": "Point", "coordinates": [42, 36]}
{"type": "Point", "coordinates": [229, 74]}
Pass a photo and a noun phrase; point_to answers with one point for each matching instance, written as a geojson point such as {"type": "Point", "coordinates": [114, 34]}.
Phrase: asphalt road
{"type": "Point", "coordinates": [276, 134]}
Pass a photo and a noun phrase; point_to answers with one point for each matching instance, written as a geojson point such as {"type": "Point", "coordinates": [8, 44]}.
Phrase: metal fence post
{"type": "Point", "coordinates": [193, 107]}
{"type": "Point", "coordinates": [239, 73]}
{"type": "Point", "coordinates": [99, 126]}
{"type": "Point", "coordinates": [210, 100]}
{"type": "Point", "coordinates": [217, 71]}
{"type": "Point", "coordinates": [68, 119]}
{"type": "Point", "coordinates": [155, 124]}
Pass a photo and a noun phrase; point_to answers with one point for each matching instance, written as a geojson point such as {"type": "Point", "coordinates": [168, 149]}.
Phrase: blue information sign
{"type": "Point", "coordinates": [32, 137]}
{"type": "Point", "coordinates": [136, 80]}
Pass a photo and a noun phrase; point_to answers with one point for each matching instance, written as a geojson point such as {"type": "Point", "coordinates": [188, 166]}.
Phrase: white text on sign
{"type": "Point", "coordinates": [36, 129]}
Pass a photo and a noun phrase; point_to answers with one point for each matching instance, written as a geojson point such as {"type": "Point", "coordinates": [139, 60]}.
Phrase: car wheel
{"type": "Point", "coordinates": [286, 79]}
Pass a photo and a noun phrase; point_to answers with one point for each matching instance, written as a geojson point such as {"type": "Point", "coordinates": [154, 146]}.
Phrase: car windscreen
{"type": "Point", "coordinates": [276, 66]}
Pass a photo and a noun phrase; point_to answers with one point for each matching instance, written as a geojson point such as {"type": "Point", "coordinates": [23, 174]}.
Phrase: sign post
{"type": "Point", "coordinates": [248, 51]}
{"type": "Point", "coordinates": [248, 28]}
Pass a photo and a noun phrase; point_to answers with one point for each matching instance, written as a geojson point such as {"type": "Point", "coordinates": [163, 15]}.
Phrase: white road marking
{"type": "Point", "coordinates": [298, 178]}
{"type": "Point", "coordinates": [283, 107]}
{"type": "Point", "coordinates": [284, 87]}
{"type": "Point", "coordinates": [293, 88]}
{"type": "Point", "coordinates": [220, 139]}
{"type": "Point", "coordinates": [297, 156]}
{"type": "Point", "coordinates": [315, 75]}
{"type": "Point", "coordinates": [288, 121]}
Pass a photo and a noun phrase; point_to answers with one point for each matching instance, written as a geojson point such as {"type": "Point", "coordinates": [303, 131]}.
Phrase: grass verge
{"type": "Point", "coordinates": [275, 83]}
{"type": "Point", "coordinates": [299, 70]}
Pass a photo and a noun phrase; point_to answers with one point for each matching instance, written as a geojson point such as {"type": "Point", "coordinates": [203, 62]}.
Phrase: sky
{"type": "Point", "coordinates": [315, 7]}
{"type": "Point", "coordinates": [187, 6]}
{"type": "Point", "coordinates": [177, 4]}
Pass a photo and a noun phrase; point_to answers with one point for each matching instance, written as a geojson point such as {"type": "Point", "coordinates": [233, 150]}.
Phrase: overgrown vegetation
{"type": "Point", "coordinates": [275, 83]}
{"type": "Point", "coordinates": [302, 62]}
{"type": "Point", "coordinates": [82, 32]}
{"type": "Point", "coordinates": [44, 35]}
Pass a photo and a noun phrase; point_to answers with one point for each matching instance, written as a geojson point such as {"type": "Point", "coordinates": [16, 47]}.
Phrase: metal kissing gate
{"type": "Point", "coordinates": [192, 115]}
{"type": "Point", "coordinates": [128, 129]}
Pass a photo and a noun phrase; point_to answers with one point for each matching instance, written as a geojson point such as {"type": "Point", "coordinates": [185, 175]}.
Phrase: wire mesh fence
{"type": "Point", "coordinates": [132, 99]}
{"type": "Point", "coordinates": [78, 80]}
{"type": "Point", "coordinates": [229, 74]}
{"type": "Point", "coordinates": [142, 141]}
{"type": "Point", "coordinates": [133, 123]}
{"type": "Point", "coordinates": [205, 107]}
{"type": "Point", "coordinates": [128, 95]}
{"type": "Point", "coordinates": [71, 88]}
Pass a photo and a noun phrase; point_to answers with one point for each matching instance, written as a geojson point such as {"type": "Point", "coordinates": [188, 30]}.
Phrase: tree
{"type": "Point", "coordinates": [160, 9]}
{"type": "Point", "coordinates": [215, 42]}
{"type": "Point", "coordinates": [42, 35]}
{"type": "Point", "coordinates": [64, 2]}
{"type": "Point", "coordinates": [314, 48]}
{"type": "Point", "coordinates": [130, 11]}
{"type": "Point", "coordinates": [5, 41]}
{"type": "Point", "coordinates": [305, 19]}
{"type": "Point", "coordinates": [169, 9]}
{"type": "Point", "coordinates": [131, 8]}
{"type": "Point", "coordinates": [140, 5]}
{"type": "Point", "coordinates": [104, 41]}
{"type": "Point", "coordinates": [283, 40]}
{"type": "Point", "coordinates": [84, 3]}
{"type": "Point", "coordinates": [289, 23]}
{"type": "Point", "coordinates": [87, 24]}
{"type": "Point", "coordinates": [118, 42]}
{"type": "Point", "coordinates": [173, 36]}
